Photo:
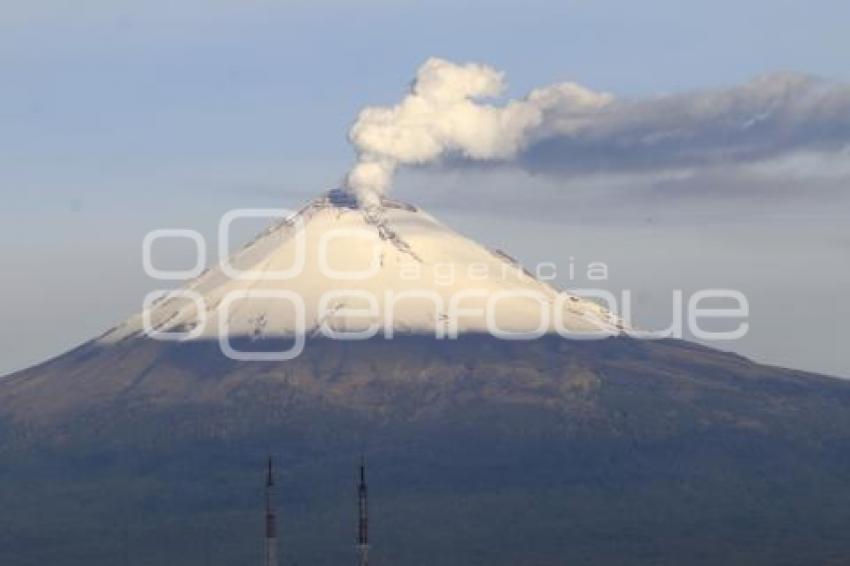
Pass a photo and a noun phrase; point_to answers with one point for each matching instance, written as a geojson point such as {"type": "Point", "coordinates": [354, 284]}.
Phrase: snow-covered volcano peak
{"type": "Point", "coordinates": [338, 269]}
{"type": "Point", "coordinates": [343, 198]}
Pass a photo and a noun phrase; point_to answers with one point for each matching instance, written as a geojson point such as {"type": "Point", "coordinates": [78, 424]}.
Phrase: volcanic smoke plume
{"type": "Point", "coordinates": [444, 114]}
{"type": "Point", "coordinates": [568, 129]}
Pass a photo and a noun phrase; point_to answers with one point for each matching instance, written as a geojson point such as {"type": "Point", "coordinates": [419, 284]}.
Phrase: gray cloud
{"type": "Point", "coordinates": [570, 130]}
{"type": "Point", "coordinates": [765, 118]}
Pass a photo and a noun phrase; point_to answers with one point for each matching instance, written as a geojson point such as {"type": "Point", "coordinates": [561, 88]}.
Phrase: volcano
{"type": "Point", "coordinates": [146, 445]}
{"type": "Point", "coordinates": [393, 268]}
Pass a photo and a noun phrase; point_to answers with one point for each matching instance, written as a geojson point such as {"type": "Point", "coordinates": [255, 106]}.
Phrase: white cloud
{"type": "Point", "coordinates": [443, 114]}
{"type": "Point", "coordinates": [567, 129]}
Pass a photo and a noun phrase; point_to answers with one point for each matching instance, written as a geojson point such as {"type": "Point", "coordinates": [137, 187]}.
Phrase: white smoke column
{"type": "Point", "coordinates": [443, 114]}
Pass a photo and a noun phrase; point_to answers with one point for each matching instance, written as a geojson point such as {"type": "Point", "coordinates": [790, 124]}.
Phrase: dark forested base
{"type": "Point", "coordinates": [479, 452]}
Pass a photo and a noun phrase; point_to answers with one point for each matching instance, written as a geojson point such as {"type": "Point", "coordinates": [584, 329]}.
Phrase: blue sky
{"type": "Point", "coordinates": [118, 117]}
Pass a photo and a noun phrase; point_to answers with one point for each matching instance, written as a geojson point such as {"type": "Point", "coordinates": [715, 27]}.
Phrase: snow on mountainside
{"type": "Point", "coordinates": [335, 268]}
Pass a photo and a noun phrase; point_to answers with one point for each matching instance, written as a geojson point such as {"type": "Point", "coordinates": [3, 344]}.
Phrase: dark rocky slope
{"type": "Point", "coordinates": [480, 451]}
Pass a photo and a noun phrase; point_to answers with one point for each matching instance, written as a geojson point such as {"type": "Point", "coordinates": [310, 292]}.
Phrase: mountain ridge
{"type": "Point", "coordinates": [481, 450]}
{"type": "Point", "coordinates": [400, 267]}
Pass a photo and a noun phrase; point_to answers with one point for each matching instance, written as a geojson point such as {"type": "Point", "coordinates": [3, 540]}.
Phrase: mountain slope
{"type": "Point", "coordinates": [392, 269]}
{"type": "Point", "coordinates": [481, 450]}
{"type": "Point", "coordinates": [606, 452]}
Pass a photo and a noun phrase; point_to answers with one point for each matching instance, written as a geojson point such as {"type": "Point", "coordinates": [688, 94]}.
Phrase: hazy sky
{"type": "Point", "coordinates": [118, 117]}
